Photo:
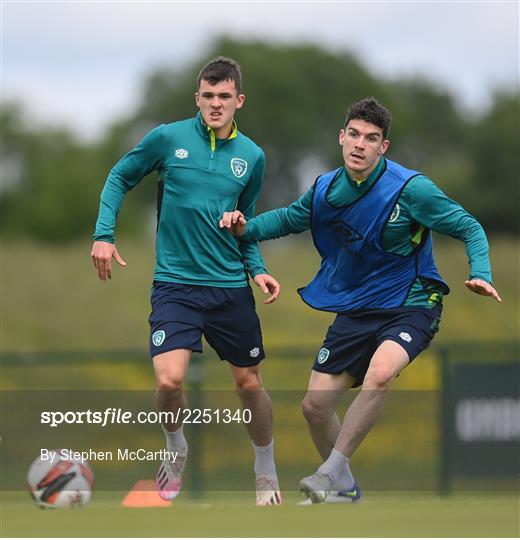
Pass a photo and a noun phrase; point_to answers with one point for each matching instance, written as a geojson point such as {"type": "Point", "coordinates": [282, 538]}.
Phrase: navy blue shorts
{"type": "Point", "coordinates": [353, 338]}
{"type": "Point", "coordinates": [226, 317]}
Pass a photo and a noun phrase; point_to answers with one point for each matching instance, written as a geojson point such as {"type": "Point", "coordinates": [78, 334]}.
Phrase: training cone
{"type": "Point", "coordinates": [143, 495]}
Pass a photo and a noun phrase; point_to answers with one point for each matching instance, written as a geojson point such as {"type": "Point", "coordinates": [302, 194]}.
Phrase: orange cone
{"type": "Point", "coordinates": [144, 494]}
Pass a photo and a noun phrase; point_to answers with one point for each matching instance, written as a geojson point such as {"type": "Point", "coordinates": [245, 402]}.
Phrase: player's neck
{"type": "Point", "coordinates": [224, 132]}
{"type": "Point", "coordinates": [361, 176]}
{"type": "Point", "coordinates": [357, 177]}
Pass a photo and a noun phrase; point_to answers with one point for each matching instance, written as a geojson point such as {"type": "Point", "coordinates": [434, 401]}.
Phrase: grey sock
{"type": "Point", "coordinates": [264, 460]}
{"type": "Point", "coordinates": [175, 441]}
{"type": "Point", "coordinates": [337, 469]}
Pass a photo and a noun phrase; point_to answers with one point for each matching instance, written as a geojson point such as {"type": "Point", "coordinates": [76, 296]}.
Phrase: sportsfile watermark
{"type": "Point", "coordinates": [119, 434]}
{"type": "Point", "coordinates": [120, 454]}
{"type": "Point", "coordinates": [114, 415]}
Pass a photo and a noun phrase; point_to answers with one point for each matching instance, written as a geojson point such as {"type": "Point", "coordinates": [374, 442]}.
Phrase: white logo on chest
{"type": "Point", "coordinates": [239, 167]}
{"type": "Point", "coordinates": [181, 153]}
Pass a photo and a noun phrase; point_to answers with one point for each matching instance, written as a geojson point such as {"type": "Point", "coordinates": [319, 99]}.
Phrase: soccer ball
{"type": "Point", "coordinates": [60, 483]}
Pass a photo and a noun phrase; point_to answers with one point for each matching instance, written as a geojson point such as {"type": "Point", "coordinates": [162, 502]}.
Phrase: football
{"type": "Point", "coordinates": [60, 483]}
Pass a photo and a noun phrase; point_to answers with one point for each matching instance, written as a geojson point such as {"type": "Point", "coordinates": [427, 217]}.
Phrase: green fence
{"type": "Point", "coordinates": [430, 436]}
{"type": "Point", "coordinates": [480, 418]}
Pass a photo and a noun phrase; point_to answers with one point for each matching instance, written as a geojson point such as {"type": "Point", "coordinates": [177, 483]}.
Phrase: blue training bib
{"type": "Point", "coordinates": [356, 272]}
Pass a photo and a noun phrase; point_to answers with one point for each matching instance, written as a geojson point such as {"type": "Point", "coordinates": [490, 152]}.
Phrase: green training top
{"type": "Point", "coordinates": [200, 178]}
{"type": "Point", "coordinates": [421, 206]}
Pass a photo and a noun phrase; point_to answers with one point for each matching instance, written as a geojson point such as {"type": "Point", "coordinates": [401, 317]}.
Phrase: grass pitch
{"type": "Point", "coordinates": [380, 514]}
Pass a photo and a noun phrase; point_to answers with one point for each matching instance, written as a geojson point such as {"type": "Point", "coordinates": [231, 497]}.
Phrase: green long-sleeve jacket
{"type": "Point", "coordinates": [200, 177]}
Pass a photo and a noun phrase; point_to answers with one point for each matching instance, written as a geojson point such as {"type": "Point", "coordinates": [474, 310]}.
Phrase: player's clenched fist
{"type": "Point", "coordinates": [102, 253]}
{"type": "Point", "coordinates": [234, 222]}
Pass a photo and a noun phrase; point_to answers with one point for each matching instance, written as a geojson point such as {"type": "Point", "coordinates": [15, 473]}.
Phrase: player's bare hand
{"type": "Point", "coordinates": [482, 287]}
{"type": "Point", "coordinates": [269, 285]}
{"type": "Point", "coordinates": [101, 254]}
{"type": "Point", "coordinates": [234, 222]}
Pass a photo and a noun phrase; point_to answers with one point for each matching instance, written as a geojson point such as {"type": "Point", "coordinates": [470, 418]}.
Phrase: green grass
{"type": "Point", "coordinates": [54, 300]}
{"type": "Point", "coordinates": [232, 515]}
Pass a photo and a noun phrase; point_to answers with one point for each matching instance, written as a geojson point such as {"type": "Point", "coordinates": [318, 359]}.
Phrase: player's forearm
{"type": "Point", "coordinates": [146, 157]}
{"type": "Point", "coordinates": [277, 223]}
{"type": "Point", "coordinates": [253, 259]}
{"type": "Point", "coordinates": [472, 234]}
{"type": "Point", "coordinates": [111, 199]}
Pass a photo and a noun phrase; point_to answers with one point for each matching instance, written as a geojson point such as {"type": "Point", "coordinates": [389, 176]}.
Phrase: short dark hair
{"type": "Point", "coordinates": [371, 111]}
{"type": "Point", "coordinates": [221, 69]}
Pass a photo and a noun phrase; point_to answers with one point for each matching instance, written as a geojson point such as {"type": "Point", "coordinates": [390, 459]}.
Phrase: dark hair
{"type": "Point", "coordinates": [221, 69]}
{"type": "Point", "coordinates": [370, 111]}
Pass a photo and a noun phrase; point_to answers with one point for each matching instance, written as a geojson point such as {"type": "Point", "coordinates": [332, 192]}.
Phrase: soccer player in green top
{"type": "Point", "coordinates": [370, 221]}
{"type": "Point", "coordinates": [205, 167]}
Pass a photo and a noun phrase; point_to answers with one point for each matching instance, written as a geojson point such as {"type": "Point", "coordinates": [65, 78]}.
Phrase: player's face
{"type": "Point", "coordinates": [362, 145]}
{"type": "Point", "coordinates": [217, 104]}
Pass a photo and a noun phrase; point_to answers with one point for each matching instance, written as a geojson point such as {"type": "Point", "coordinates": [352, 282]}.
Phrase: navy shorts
{"type": "Point", "coordinates": [226, 317]}
{"type": "Point", "coordinates": [353, 337]}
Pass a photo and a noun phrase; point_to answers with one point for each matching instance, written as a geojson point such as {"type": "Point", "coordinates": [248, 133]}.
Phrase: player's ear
{"type": "Point", "coordinates": [197, 99]}
{"type": "Point", "coordinates": [342, 134]}
{"type": "Point", "coordinates": [384, 147]}
{"type": "Point", "coordinates": [240, 100]}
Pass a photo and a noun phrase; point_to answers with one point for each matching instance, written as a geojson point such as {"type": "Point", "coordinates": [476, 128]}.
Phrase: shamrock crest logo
{"type": "Point", "coordinates": [239, 167]}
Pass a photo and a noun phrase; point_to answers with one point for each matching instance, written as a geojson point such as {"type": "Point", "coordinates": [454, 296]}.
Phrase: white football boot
{"type": "Point", "coordinates": [267, 491]}
{"type": "Point", "coordinates": [169, 477]}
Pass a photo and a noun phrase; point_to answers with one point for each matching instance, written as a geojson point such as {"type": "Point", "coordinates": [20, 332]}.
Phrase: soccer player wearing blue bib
{"type": "Point", "coordinates": [370, 221]}
{"type": "Point", "coordinates": [205, 167]}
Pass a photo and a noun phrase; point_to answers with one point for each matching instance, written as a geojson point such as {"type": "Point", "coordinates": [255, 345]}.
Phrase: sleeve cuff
{"type": "Point", "coordinates": [104, 238]}
{"type": "Point", "coordinates": [487, 279]}
{"type": "Point", "coordinates": [256, 271]}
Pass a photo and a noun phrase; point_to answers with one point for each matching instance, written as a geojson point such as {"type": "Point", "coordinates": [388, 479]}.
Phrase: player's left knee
{"type": "Point", "coordinates": [248, 380]}
{"type": "Point", "coordinates": [378, 378]}
{"type": "Point", "coordinates": [313, 411]}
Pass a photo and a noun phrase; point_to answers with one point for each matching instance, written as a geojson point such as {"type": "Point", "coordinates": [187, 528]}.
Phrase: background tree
{"type": "Point", "coordinates": [297, 97]}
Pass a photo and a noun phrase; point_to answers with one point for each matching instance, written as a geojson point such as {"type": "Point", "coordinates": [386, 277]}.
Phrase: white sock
{"type": "Point", "coordinates": [175, 441]}
{"type": "Point", "coordinates": [338, 470]}
{"type": "Point", "coordinates": [264, 460]}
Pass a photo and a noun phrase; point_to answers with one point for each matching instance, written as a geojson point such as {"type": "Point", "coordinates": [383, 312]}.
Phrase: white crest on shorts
{"type": "Point", "coordinates": [239, 167]}
{"type": "Point", "coordinates": [323, 355]}
{"type": "Point", "coordinates": [253, 353]}
{"type": "Point", "coordinates": [158, 337]}
{"type": "Point", "coordinates": [405, 337]}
